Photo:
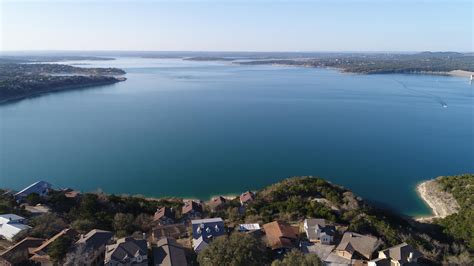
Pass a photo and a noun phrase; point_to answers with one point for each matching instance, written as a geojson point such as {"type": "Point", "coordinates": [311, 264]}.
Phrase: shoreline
{"type": "Point", "coordinates": [441, 203]}
{"type": "Point", "coordinates": [18, 98]}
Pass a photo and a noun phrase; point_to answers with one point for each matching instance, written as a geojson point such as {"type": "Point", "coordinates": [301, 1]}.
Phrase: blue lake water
{"type": "Point", "coordinates": [182, 128]}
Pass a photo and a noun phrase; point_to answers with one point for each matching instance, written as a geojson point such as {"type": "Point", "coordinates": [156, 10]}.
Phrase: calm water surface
{"type": "Point", "coordinates": [197, 129]}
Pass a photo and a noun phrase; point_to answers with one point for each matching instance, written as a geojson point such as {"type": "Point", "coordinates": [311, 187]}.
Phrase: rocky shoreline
{"type": "Point", "coordinates": [441, 203]}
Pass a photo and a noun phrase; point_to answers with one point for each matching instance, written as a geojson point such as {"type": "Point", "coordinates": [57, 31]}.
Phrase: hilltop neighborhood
{"type": "Point", "coordinates": [167, 243]}
{"type": "Point", "coordinates": [179, 232]}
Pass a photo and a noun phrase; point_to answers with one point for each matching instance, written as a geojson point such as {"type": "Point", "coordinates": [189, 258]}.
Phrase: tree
{"type": "Point", "coordinates": [123, 224]}
{"type": "Point", "coordinates": [59, 248]}
{"type": "Point", "coordinates": [83, 225]}
{"type": "Point", "coordinates": [295, 257]}
{"type": "Point", "coordinates": [47, 225]}
{"type": "Point", "coordinates": [33, 199]}
{"type": "Point", "coordinates": [143, 222]}
{"type": "Point", "coordinates": [238, 249]}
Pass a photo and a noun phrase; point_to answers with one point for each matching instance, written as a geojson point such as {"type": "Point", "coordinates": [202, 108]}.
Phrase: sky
{"type": "Point", "coordinates": [237, 25]}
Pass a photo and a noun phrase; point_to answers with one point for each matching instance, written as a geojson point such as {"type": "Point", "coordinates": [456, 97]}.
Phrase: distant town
{"type": "Point", "coordinates": [298, 221]}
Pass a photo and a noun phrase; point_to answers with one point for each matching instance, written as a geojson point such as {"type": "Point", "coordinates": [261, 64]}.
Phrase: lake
{"type": "Point", "coordinates": [196, 129]}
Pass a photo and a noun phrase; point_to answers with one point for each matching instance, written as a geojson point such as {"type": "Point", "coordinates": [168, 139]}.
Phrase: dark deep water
{"type": "Point", "coordinates": [197, 129]}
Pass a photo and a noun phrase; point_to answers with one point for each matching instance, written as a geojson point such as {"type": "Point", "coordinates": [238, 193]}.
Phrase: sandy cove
{"type": "Point", "coordinates": [441, 203]}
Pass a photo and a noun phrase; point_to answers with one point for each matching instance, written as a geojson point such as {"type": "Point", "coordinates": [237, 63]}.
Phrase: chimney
{"type": "Point", "coordinates": [144, 236]}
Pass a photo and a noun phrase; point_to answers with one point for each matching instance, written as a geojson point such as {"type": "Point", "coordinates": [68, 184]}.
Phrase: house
{"type": "Point", "coordinates": [40, 254]}
{"type": "Point", "coordinates": [401, 254]}
{"type": "Point", "coordinates": [357, 246]}
{"type": "Point", "coordinates": [11, 225]}
{"type": "Point", "coordinates": [72, 194]}
{"type": "Point", "coordinates": [217, 203]}
{"type": "Point", "coordinates": [164, 216]}
{"type": "Point", "coordinates": [204, 230]}
{"type": "Point", "coordinates": [169, 230]}
{"type": "Point", "coordinates": [248, 227]}
{"type": "Point", "coordinates": [191, 210]}
{"type": "Point", "coordinates": [280, 235]}
{"type": "Point", "coordinates": [41, 188]}
{"type": "Point", "coordinates": [20, 252]}
{"type": "Point", "coordinates": [317, 230]}
{"type": "Point", "coordinates": [168, 253]}
{"type": "Point", "coordinates": [92, 246]}
{"type": "Point", "coordinates": [127, 251]}
{"type": "Point", "coordinates": [246, 197]}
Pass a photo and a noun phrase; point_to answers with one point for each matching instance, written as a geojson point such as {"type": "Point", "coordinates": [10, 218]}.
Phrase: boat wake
{"type": "Point", "coordinates": [425, 94]}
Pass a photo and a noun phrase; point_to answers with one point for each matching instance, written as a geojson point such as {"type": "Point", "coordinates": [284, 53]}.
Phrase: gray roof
{"type": "Point", "coordinates": [363, 244]}
{"type": "Point", "coordinates": [401, 252]}
{"type": "Point", "coordinates": [204, 221]}
{"type": "Point", "coordinates": [37, 187]}
{"type": "Point", "coordinates": [95, 239]}
{"type": "Point", "coordinates": [321, 250]}
{"type": "Point", "coordinates": [169, 253]}
{"type": "Point", "coordinates": [10, 217]}
{"type": "Point", "coordinates": [124, 249]}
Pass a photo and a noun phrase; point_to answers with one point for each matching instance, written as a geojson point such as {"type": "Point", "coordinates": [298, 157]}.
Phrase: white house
{"type": "Point", "coordinates": [41, 188]}
{"type": "Point", "coordinates": [318, 231]}
{"type": "Point", "coordinates": [11, 225]}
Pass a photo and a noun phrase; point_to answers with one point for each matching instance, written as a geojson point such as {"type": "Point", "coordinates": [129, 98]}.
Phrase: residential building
{"type": "Point", "coordinates": [217, 203]}
{"type": "Point", "coordinates": [248, 227]}
{"type": "Point", "coordinates": [92, 246]}
{"type": "Point", "coordinates": [191, 209]}
{"type": "Point", "coordinates": [170, 230]}
{"type": "Point", "coordinates": [357, 246]}
{"type": "Point", "coordinates": [246, 197]}
{"type": "Point", "coordinates": [20, 252]}
{"type": "Point", "coordinates": [40, 254]}
{"type": "Point", "coordinates": [280, 235]}
{"type": "Point", "coordinates": [398, 255]}
{"type": "Point", "coordinates": [72, 194]}
{"type": "Point", "coordinates": [11, 225]}
{"type": "Point", "coordinates": [41, 188]}
{"type": "Point", "coordinates": [317, 230]}
{"type": "Point", "coordinates": [164, 216]}
{"type": "Point", "coordinates": [204, 230]}
{"type": "Point", "coordinates": [168, 253]}
{"type": "Point", "coordinates": [127, 251]}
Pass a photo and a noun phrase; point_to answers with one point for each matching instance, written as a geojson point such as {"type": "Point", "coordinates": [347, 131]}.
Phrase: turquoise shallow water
{"type": "Point", "coordinates": [181, 128]}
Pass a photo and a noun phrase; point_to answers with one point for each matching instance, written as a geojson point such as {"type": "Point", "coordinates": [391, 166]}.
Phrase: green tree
{"type": "Point", "coordinates": [295, 257]}
{"type": "Point", "coordinates": [238, 249]}
{"type": "Point", "coordinates": [33, 199]}
{"type": "Point", "coordinates": [123, 223]}
{"type": "Point", "coordinates": [47, 225]}
{"type": "Point", "coordinates": [59, 248]}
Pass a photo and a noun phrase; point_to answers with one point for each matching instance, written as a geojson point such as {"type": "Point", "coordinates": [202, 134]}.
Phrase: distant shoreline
{"type": "Point", "coordinates": [442, 203]}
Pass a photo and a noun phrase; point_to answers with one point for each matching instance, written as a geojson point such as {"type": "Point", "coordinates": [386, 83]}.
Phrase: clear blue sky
{"type": "Point", "coordinates": [232, 25]}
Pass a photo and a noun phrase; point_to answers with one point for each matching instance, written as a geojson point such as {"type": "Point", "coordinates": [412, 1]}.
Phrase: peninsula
{"type": "Point", "coordinates": [22, 80]}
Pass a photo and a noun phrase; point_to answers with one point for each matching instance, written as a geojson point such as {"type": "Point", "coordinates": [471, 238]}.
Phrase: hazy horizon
{"type": "Point", "coordinates": [236, 26]}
